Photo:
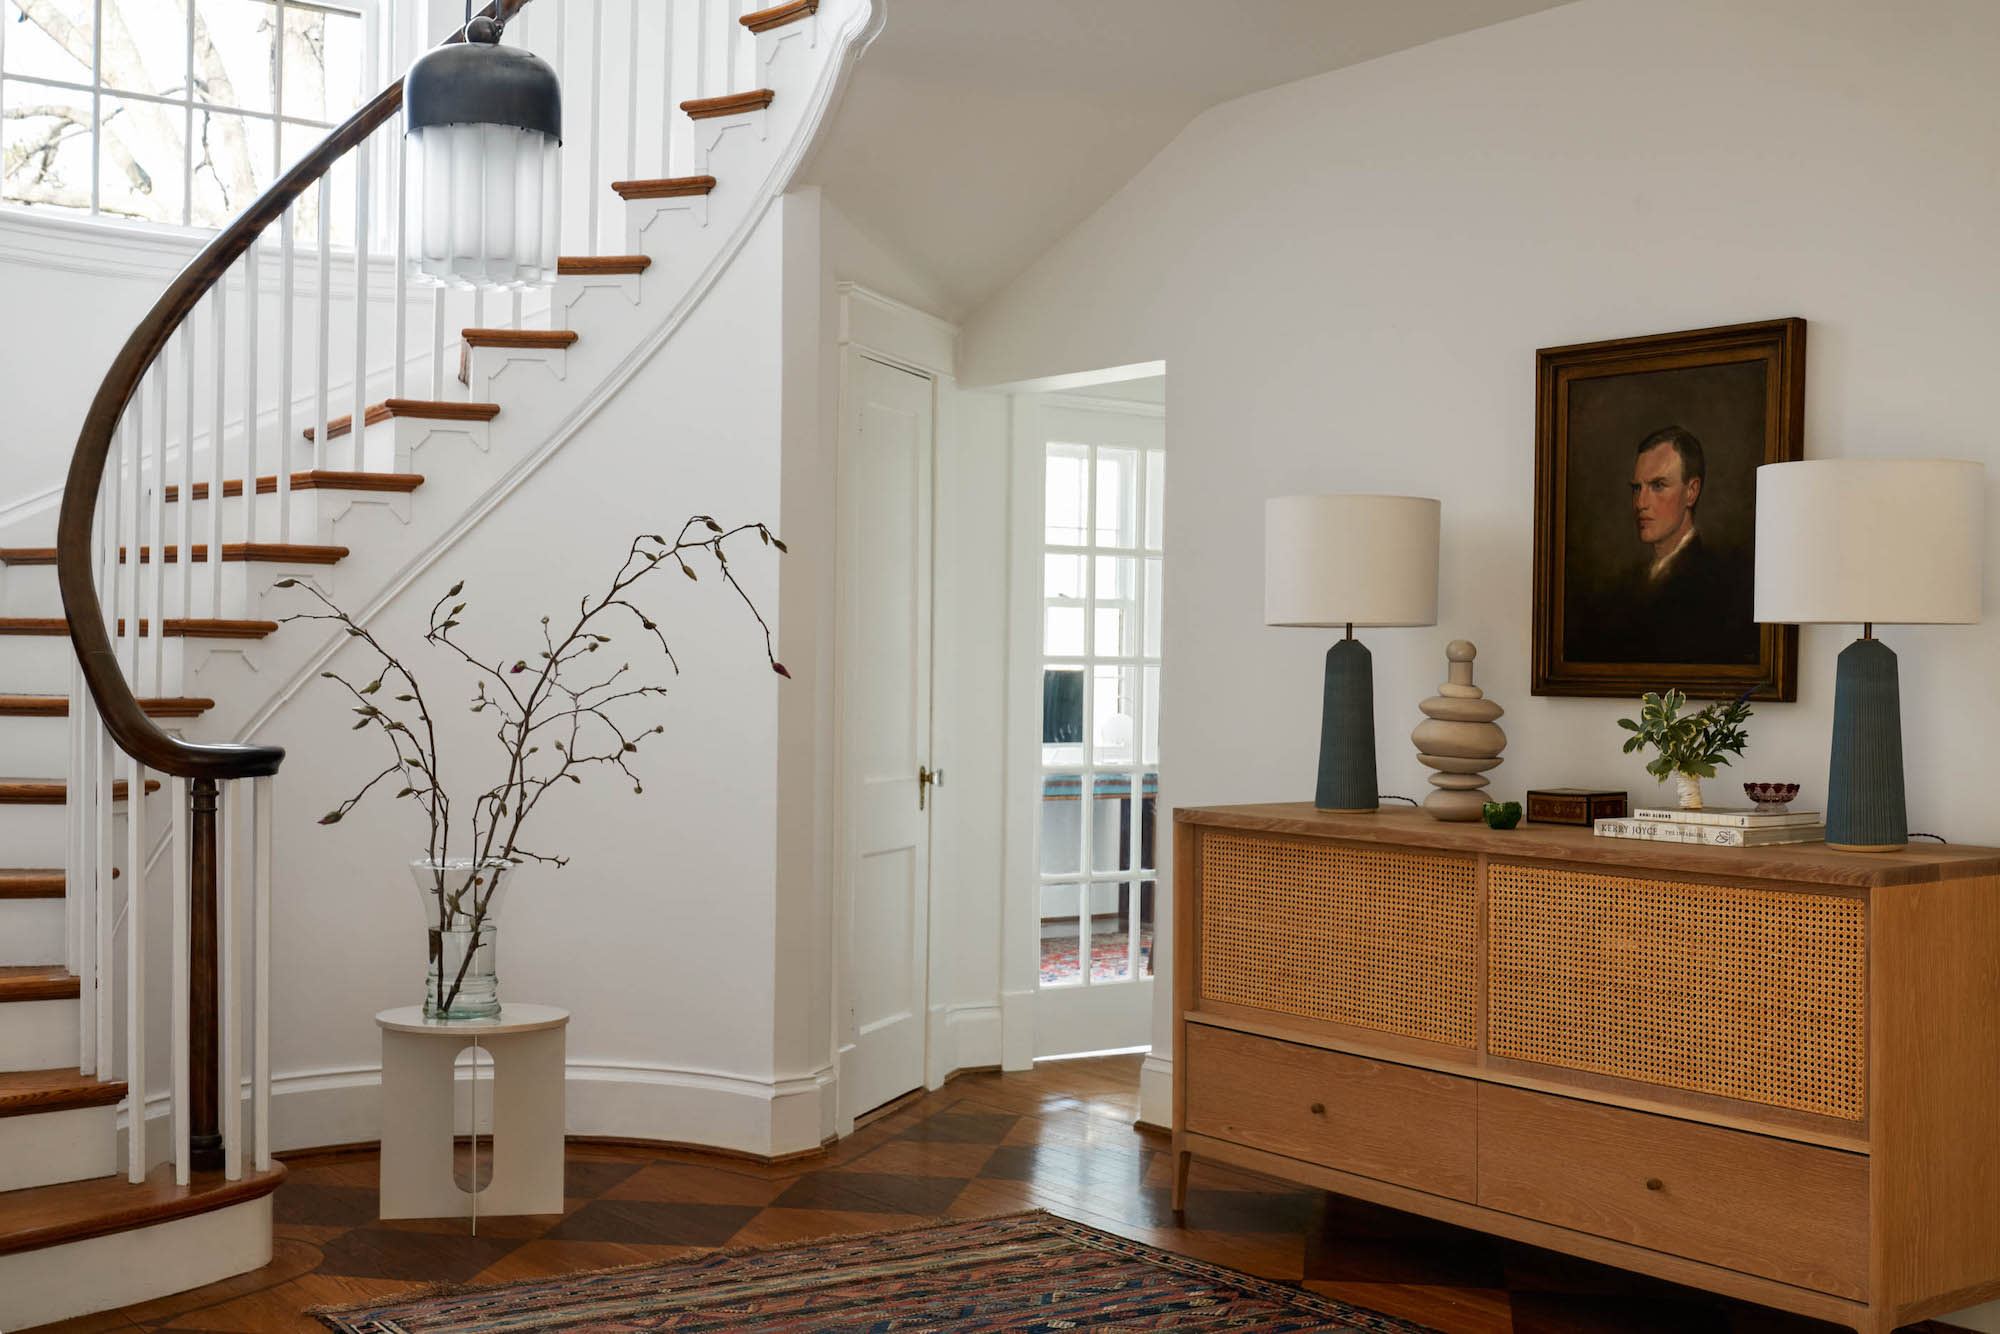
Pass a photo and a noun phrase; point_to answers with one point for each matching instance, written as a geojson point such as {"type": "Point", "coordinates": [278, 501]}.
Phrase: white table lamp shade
{"type": "Point", "coordinates": [1888, 541]}
{"type": "Point", "coordinates": [1350, 560]}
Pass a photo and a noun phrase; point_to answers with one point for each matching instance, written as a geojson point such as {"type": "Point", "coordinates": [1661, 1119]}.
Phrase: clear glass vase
{"type": "Point", "coordinates": [462, 901]}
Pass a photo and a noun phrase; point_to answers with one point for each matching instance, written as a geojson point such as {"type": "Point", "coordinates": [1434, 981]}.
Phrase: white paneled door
{"type": "Point", "coordinates": [886, 511]}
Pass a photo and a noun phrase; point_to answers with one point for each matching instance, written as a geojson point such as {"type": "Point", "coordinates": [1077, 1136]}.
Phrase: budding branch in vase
{"type": "Point", "coordinates": [550, 728]}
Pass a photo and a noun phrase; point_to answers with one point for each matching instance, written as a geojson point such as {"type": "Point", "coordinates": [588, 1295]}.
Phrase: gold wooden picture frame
{"type": "Point", "coordinates": [1646, 453]}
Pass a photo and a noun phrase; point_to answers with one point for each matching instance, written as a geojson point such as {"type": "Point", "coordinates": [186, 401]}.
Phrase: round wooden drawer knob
{"type": "Point", "coordinates": [1318, 1109]}
{"type": "Point", "coordinates": [1654, 1183]}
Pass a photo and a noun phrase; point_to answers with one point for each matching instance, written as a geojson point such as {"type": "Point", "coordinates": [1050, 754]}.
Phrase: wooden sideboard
{"type": "Point", "coordinates": [1772, 1073]}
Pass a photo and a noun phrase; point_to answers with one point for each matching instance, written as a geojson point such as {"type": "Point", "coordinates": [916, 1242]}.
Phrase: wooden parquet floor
{"type": "Point", "coordinates": [1059, 1138]}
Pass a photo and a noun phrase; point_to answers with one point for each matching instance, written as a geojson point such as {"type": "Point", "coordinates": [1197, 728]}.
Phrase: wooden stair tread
{"type": "Point", "coordinates": [25, 1092]}
{"type": "Point", "coordinates": [777, 16]}
{"type": "Point", "coordinates": [57, 706]}
{"type": "Point", "coordinates": [175, 628]}
{"type": "Point", "coordinates": [588, 266]}
{"type": "Point", "coordinates": [29, 882]}
{"type": "Point", "coordinates": [296, 553]}
{"type": "Point", "coordinates": [320, 479]}
{"type": "Point", "coordinates": [54, 791]}
{"type": "Point", "coordinates": [665, 187]}
{"type": "Point", "coordinates": [707, 108]}
{"type": "Point", "coordinates": [425, 409]}
{"type": "Point", "coordinates": [76, 1210]}
{"type": "Point", "coordinates": [551, 338]}
{"type": "Point", "coordinates": [38, 982]}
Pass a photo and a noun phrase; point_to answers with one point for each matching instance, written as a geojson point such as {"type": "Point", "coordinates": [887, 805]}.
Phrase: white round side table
{"type": "Point", "coordinates": [419, 1060]}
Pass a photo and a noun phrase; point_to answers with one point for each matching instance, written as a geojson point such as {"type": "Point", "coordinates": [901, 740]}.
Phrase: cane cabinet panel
{"type": "Point", "coordinates": [1375, 938]}
{"type": "Point", "coordinates": [1751, 993]}
{"type": "Point", "coordinates": [1769, 1072]}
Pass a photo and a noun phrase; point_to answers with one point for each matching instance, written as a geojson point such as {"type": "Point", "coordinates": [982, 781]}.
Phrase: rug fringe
{"type": "Point", "coordinates": [434, 1291]}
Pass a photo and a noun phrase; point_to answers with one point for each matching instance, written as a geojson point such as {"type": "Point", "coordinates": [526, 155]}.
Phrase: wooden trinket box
{"type": "Point", "coordinates": [1576, 805]}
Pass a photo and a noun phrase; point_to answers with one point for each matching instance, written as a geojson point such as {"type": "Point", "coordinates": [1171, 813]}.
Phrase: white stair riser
{"type": "Point", "coordinates": [31, 932]}
{"type": "Point", "coordinates": [37, 1035]}
{"type": "Point", "coordinates": [49, 1148]}
{"type": "Point", "coordinates": [40, 664]}
{"type": "Point", "coordinates": [37, 745]}
{"type": "Point", "coordinates": [104, 1273]}
{"type": "Point", "coordinates": [242, 582]}
{"type": "Point", "coordinates": [34, 835]}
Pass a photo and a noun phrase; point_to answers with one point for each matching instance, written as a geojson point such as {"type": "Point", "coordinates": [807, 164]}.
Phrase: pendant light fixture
{"type": "Point", "coordinates": [486, 123]}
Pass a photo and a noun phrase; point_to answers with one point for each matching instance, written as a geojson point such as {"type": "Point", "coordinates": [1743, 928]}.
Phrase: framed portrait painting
{"type": "Point", "coordinates": [1646, 458]}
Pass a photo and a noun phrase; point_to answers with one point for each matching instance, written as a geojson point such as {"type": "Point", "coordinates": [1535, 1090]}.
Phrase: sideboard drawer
{"type": "Point", "coordinates": [1783, 1210]}
{"type": "Point", "coordinates": [1395, 1123]}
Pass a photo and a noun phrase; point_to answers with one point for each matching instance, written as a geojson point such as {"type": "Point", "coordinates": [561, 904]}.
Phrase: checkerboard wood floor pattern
{"type": "Point", "coordinates": [1059, 1138]}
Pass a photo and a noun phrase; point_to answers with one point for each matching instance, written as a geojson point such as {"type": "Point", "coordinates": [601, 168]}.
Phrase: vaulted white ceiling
{"type": "Point", "coordinates": [975, 133]}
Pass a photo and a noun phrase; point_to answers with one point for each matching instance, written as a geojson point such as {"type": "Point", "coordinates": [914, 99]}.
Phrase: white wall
{"type": "Point", "coordinates": [1348, 277]}
{"type": "Point", "coordinates": [662, 934]}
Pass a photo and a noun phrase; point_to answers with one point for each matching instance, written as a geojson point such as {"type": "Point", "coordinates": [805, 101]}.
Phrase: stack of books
{"type": "Point", "coordinates": [1718, 826]}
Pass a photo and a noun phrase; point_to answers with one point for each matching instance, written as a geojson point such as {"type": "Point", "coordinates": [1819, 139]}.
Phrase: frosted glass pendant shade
{"type": "Point", "coordinates": [489, 199]}
{"type": "Point", "coordinates": [485, 122]}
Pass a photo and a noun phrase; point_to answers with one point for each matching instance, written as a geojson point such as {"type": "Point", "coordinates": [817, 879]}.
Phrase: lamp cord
{"type": "Point", "coordinates": [1390, 796]}
{"type": "Point", "coordinates": [1939, 837]}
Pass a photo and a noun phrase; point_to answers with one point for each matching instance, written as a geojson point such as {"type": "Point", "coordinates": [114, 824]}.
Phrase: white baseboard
{"type": "Point", "coordinates": [736, 1113]}
{"type": "Point", "coordinates": [1017, 1028]}
{"type": "Point", "coordinates": [1156, 1090]}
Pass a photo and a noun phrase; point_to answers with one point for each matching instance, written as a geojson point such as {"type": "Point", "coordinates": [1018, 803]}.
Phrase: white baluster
{"type": "Point", "coordinates": [182, 980]}
{"type": "Point", "coordinates": [250, 414]}
{"type": "Point", "coordinates": [124, 522]}
{"type": "Point", "coordinates": [216, 452]}
{"type": "Point", "coordinates": [78, 877]}
{"type": "Point", "coordinates": [670, 14]}
{"type": "Point", "coordinates": [190, 393]}
{"type": "Point", "coordinates": [105, 965]}
{"type": "Point", "coordinates": [135, 969]}
{"type": "Point", "coordinates": [287, 294]}
{"type": "Point", "coordinates": [596, 131]}
{"type": "Point", "coordinates": [162, 377]}
{"type": "Point", "coordinates": [631, 97]}
{"type": "Point", "coordinates": [734, 49]}
{"type": "Point", "coordinates": [400, 388]}
{"type": "Point", "coordinates": [324, 315]}
{"type": "Point", "coordinates": [360, 419]}
{"type": "Point", "coordinates": [437, 343]}
{"type": "Point", "coordinates": [229, 965]}
{"type": "Point", "coordinates": [264, 794]}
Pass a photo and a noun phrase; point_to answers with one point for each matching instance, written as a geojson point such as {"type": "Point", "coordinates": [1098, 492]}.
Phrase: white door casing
{"type": "Point", "coordinates": [886, 468]}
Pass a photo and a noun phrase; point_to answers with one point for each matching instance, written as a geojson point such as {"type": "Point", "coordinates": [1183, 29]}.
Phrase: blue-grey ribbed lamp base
{"type": "Point", "coordinates": [1347, 731]}
{"type": "Point", "coordinates": [1864, 787]}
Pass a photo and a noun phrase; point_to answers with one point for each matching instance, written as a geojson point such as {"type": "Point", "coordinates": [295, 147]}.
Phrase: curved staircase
{"type": "Point", "coordinates": [127, 1169]}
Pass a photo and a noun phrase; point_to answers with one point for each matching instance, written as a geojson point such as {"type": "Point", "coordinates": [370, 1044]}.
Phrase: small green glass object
{"type": "Point", "coordinates": [1501, 814]}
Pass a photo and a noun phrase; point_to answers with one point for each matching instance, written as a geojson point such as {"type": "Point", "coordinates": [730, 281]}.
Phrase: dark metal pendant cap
{"type": "Point", "coordinates": [473, 83]}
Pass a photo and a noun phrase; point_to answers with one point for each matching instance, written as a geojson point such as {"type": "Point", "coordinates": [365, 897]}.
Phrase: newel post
{"type": "Point", "coordinates": [204, 982]}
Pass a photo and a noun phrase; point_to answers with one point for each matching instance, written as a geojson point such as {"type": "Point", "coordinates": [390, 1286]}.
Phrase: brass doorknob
{"type": "Point", "coordinates": [1654, 1183]}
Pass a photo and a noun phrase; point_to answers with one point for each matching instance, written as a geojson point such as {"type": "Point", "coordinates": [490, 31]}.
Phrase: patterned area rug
{"type": "Point", "coordinates": [1013, 1275]}
{"type": "Point", "coordinates": [1110, 957]}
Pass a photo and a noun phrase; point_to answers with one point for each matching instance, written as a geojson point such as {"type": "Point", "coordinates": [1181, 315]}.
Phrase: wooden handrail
{"type": "Point", "coordinates": [135, 733]}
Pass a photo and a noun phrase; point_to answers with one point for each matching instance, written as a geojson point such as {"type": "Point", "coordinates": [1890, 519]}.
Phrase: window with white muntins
{"type": "Point", "coordinates": [1101, 570]}
{"type": "Point", "coordinates": [172, 111]}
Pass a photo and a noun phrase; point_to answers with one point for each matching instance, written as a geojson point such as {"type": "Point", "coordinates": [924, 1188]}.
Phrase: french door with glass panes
{"type": "Point", "coordinates": [1098, 824]}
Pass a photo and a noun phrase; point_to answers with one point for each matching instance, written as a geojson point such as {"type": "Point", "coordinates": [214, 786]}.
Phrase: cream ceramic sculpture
{"type": "Point", "coordinates": [1459, 739]}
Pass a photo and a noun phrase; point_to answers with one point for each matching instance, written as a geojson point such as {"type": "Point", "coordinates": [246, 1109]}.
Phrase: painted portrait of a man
{"type": "Point", "coordinates": [1646, 519]}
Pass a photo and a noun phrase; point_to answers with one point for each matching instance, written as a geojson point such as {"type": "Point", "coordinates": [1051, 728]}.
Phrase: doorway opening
{"type": "Point", "coordinates": [1097, 554]}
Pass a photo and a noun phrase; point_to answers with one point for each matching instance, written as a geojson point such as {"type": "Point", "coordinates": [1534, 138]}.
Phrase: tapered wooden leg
{"type": "Point", "coordinates": [1182, 1159]}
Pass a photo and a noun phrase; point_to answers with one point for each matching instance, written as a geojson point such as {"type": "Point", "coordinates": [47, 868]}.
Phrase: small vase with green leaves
{"type": "Point", "coordinates": [1689, 747]}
